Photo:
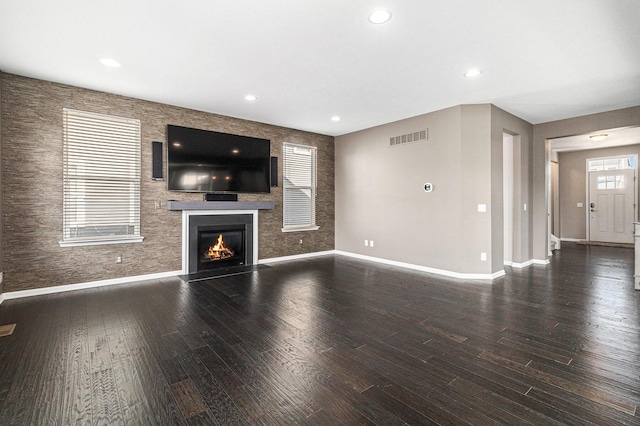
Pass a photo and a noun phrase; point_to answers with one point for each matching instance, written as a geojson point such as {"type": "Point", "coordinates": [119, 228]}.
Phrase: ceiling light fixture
{"type": "Point", "coordinates": [110, 62]}
{"type": "Point", "coordinates": [335, 118]}
{"type": "Point", "coordinates": [250, 98]}
{"type": "Point", "coordinates": [379, 16]}
{"type": "Point", "coordinates": [599, 137]}
{"type": "Point", "coordinates": [473, 72]}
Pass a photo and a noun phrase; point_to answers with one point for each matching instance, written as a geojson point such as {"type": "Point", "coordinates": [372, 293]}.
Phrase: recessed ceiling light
{"type": "Point", "coordinates": [110, 62]}
{"type": "Point", "coordinates": [598, 137]}
{"type": "Point", "coordinates": [250, 98]}
{"type": "Point", "coordinates": [473, 72]}
{"type": "Point", "coordinates": [379, 16]}
{"type": "Point", "coordinates": [335, 118]}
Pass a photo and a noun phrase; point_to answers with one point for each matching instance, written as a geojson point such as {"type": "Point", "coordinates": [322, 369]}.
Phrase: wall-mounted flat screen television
{"type": "Point", "coordinates": [206, 161]}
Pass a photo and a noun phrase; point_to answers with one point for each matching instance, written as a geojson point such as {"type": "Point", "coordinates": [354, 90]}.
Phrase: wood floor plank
{"type": "Point", "coordinates": [105, 398]}
{"type": "Point", "coordinates": [77, 408]}
{"type": "Point", "coordinates": [47, 402]}
{"type": "Point", "coordinates": [127, 345]}
{"type": "Point", "coordinates": [28, 378]}
{"type": "Point", "coordinates": [579, 406]}
{"type": "Point", "coordinates": [371, 410]}
{"type": "Point", "coordinates": [333, 339]}
{"type": "Point", "coordinates": [202, 386]}
{"type": "Point", "coordinates": [526, 415]}
{"type": "Point", "coordinates": [391, 404]}
{"type": "Point", "coordinates": [189, 399]}
{"type": "Point", "coordinates": [249, 405]}
{"type": "Point", "coordinates": [619, 403]}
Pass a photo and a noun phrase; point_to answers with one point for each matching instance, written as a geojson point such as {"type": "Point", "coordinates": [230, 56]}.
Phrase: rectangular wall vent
{"type": "Point", "coordinates": [421, 135]}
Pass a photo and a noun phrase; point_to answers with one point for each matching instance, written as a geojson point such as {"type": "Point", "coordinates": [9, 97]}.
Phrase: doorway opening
{"type": "Point", "coordinates": [507, 196]}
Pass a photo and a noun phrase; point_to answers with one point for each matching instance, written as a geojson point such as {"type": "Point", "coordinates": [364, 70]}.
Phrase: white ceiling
{"type": "Point", "coordinates": [308, 60]}
{"type": "Point", "coordinates": [615, 137]}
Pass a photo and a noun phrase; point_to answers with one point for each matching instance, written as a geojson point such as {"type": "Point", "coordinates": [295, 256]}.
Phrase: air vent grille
{"type": "Point", "coordinates": [421, 135]}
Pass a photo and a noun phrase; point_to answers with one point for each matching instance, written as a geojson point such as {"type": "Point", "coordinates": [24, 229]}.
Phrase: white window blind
{"type": "Point", "coordinates": [299, 187]}
{"type": "Point", "coordinates": [101, 179]}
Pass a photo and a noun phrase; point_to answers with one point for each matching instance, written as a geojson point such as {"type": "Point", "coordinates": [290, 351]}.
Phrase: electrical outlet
{"type": "Point", "coordinates": [119, 258]}
{"type": "Point", "coordinates": [483, 256]}
{"type": "Point", "coordinates": [300, 241]}
{"type": "Point", "coordinates": [158, 205]}
{"type": "Point", "coordinates": [366, 243]}
{"type": "Point", "coordinates": [371, 243]}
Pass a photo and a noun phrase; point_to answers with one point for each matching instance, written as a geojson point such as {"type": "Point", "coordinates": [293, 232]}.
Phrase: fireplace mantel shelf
{"type": "Point", "coordinates": [219, 205]}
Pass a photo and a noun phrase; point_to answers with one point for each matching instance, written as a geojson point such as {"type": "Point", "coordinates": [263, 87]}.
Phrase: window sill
{"type": "Point", "coordinates": [302, 228]}
{"type": "Point", "coordinates": [100, 242]}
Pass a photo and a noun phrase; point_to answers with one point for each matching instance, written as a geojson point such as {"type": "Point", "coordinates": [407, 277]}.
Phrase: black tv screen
{"type": "Point", "coordinates": [206, 161]}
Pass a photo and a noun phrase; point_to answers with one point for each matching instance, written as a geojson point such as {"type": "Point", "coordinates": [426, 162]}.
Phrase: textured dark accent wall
{"type": "Point", "coordinates": [32, 188]}
{"type": "Point", "coordinates": [1, 156]}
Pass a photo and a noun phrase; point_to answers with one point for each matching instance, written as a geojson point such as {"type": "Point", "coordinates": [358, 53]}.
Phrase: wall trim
{"type": "Point", "coordinates": [527, 263]}
{"type": "Point", "coordinates": [296, 257]}
{"type": "Point", "coordinates": [426, 268]}
{"type": "Point", "coordinates": [539, 261]}
{"type": "Point", "coordinates": [124, 280]}
{"type": "Point", "coordinates": [82, 286]}
{"type": "Point", "coordinates": [572, 240]}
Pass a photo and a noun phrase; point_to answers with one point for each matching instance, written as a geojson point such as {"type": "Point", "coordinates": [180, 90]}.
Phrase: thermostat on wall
{"type": "Point", "coordinates": [428, 187]}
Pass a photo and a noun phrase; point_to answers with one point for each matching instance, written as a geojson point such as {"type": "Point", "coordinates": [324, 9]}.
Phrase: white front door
{"type": "Point", "coordinates": [611, 206]}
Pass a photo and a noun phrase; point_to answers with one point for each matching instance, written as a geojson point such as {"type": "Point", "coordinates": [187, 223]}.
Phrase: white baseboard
{"type": "Point", "coordinates": [81, 286]}
{"type": "Point", "coordinates": [539, 261]}
{"type": "Point", "coordinates": [295, 257]}
{"type": "Point", "coordinates": [572, 240]}
{"type": "Point", "coordinates": [527, 263]}
{"type": "Point", "coordinates": [425, 268]}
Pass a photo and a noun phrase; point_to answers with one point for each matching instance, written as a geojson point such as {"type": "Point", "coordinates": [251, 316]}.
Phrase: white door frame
{"type": "Point", "coordinates": [587, 184]}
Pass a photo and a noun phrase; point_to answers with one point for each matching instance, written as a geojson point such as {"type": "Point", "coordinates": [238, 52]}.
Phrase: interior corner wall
{"type": "Point", "coordinates": [522, 132]}
{"type": "Point", "coordinates": [32, 188]}
{"type": "Point", "coordinates": [476, 174]}
{"type": "Point", "coordinates": [573, 187]}
{"type": "Point", "coordinates": [380, 193]}
{"type": "Point", "coordinates": [540, 156]}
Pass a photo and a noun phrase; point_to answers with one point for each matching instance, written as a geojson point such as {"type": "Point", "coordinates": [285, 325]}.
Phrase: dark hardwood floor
{"type": "Point", "coordinates": [333, 340]}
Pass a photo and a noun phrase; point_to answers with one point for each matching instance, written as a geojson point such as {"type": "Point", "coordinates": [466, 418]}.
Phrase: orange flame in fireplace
{"type": "Point", "coordinates": [219, 251]}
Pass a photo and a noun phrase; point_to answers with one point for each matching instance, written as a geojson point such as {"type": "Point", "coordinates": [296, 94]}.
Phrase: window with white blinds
{"type": "Point", "coordinates": [101, 175]}
{"type": "Point", "coordinates": [299, 187]}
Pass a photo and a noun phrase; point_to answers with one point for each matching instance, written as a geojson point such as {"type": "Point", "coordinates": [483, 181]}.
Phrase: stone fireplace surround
{"type": "Point", "coordinates": [224, 210]}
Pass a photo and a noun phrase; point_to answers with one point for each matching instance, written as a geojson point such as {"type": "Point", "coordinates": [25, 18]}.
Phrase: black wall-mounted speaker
{"type": "Point", "coordinates": [156, 158]}
{"type": "Point", "coordinates": [274, 171]}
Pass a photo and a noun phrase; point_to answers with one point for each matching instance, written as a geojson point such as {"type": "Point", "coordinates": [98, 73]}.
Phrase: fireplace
{"type": "Point", "coordinates": [220, 247]}
{"type": "Point", "coordinates": [219, 241]}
